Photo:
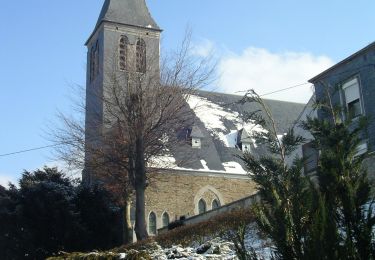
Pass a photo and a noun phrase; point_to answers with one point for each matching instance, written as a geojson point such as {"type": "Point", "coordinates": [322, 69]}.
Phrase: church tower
{"type": "Point", "coordinates": [126, 39]}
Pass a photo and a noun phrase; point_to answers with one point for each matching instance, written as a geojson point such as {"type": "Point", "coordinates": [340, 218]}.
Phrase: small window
{"type": "Point", "coordinates": [165, 219]}
{"type": "Point", "coordinates": [152, 223]}
{"type": "Point", "coordinates": [352, 98]}
{"type": "Point", "coordinates": [246, 147]}
{"type": "Point", "coordinates": [202, 206]}
{"type": "Point", "coordinates": [141, 56]}
{"type": "Point", "coordinates": [310, 155]}
{"type": "Point", "coordinates": [215, 204]}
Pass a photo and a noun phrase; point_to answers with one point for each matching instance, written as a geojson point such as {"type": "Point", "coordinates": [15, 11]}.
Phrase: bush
{"type": "Point", "coordinates": [50, 213]}
{"type": "Point", "coordinates": [186, 235]}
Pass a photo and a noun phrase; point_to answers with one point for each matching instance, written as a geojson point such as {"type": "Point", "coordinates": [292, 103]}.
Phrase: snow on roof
{"type": "Point", "coordinates": [213, 115]}
{"type": "Point", "coordinates": [169, 162]}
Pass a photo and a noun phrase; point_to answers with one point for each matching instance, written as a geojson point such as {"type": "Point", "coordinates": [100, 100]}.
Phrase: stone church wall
{"type": "Point", "coordinates": [178, 193]}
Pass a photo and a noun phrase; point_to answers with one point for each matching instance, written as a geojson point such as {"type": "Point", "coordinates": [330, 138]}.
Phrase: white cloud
{"type": "Point", "coordinates": [266, 72]}
{"type": "Point", "coordinates": [203, 49]}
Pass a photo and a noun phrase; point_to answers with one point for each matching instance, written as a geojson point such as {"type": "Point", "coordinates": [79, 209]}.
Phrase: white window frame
{"type": "Point", "coordinates": [348, 84]}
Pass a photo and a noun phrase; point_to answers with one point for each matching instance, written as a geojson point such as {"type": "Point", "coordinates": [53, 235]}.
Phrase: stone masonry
{"type": "Point", "coordinates": [178, 192]}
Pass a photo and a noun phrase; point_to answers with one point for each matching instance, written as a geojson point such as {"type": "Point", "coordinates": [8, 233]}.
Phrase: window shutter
{"type": "Point", "coordinates": [351, 90]}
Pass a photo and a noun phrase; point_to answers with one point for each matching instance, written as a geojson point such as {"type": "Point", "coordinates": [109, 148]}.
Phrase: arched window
{"type": "Point", "coordinates": [215, 204]}
{"type": "Point", "coordinates": [202, 206]}
{"type": "Point", "coordinates": [141, 56]}
{"type": "Point", "coordinates": [123, 53]}
{"type": "Point", "coordinates": [152, 223]}
{"type": "Point", "coordinates": [165, 219]}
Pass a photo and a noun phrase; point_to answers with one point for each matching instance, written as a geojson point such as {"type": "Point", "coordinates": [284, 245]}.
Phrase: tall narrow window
{"type": "Point", "coordinates": [202, 206]}
{"type": "Point", "coordinates": [165, 219]}
{"type": "Point", "coordinates": [215, 204]}
{"type": "Point", "coordinates": [123, 53]}
{"type": "Point", "coordinates": [152, 223]}
{"type": "Point", "coordinates": [94, 61]}
{"type": "Point", "coordinates": [96, 67]}
{"type": "Point", "coordinates": [141, 56]}
{"type": "Point", "coordinates": [352, 98]}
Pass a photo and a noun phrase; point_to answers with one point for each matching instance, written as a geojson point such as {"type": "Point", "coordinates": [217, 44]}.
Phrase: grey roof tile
{"type": "Point", "coordinates": [129, 12]}
{"type": "Point", "coordinates": [213, 150]}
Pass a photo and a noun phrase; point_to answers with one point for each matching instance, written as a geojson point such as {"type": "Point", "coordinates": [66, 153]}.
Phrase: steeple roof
{"type": "Point", "coordinates": [129, 12]}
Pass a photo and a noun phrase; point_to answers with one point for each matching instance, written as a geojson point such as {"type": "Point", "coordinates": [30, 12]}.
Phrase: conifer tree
{"type": "Point", "coordinates": [330, 218]}
{"type": "Point", "coordinates": [343, 182]}
{"type": "Point", "coordinates": [285, 211]}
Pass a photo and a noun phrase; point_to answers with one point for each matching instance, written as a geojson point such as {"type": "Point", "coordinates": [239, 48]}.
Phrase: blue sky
{"type": "Point", "coordinates": [265, 45]}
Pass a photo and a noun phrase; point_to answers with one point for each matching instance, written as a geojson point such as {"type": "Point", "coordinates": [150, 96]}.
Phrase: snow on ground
{"type": "Point", "coordinates": [214, 249]}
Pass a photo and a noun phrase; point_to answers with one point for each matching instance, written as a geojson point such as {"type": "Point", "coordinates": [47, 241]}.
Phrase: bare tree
{"type": "Point", "coordinates": [144, 107]}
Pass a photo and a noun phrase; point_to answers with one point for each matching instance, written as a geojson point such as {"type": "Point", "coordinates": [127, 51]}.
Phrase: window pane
{"type": "Point", "coordinates": [215, 204]}
{"type": "Point", "coordinates": [165, 219]}
{"type": "Point", "coordinates": [202, 206]}
{"type": "Point", "coordinates": [354, 109]}
{"type": "Point", "coordinates": [152, 224]}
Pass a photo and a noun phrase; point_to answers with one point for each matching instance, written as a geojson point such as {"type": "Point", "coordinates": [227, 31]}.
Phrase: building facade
{"type": "Point", "coordinates": [351, 84]}
{"type": "Point", "coordinates": [205, 171]}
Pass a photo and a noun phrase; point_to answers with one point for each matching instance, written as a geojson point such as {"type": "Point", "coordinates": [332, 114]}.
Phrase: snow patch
{"type": "Point", "coordinates": [231, 139]}
{"type": "Point", "coordinates": [169, 162]}
{"type": "Point", "coordinates": [204, 163]}
{"type": "Point", "coordinates": [213, 115]}
{"type": "Point", "coordinates": [234, 167]}
{"type": "Point", "coordinates": [162, 162]}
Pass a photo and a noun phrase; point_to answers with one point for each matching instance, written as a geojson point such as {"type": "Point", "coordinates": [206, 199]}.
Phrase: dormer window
{"type": "Point", "coordinates": [244, 141]}
{"type": "Point", "coordinates": [196, 137]}
{"type": "Point", "coordinates": [246, 147]}
{"type": "Point", "coordinates": [196, 143]}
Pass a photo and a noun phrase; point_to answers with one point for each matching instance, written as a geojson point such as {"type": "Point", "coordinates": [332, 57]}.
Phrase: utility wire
{"type": "Point", "coordinates": [284, 89]}
{"type": "Point", "coordinates": [30, 150]}
{"type": "Point", "coordinates": [54, 145]}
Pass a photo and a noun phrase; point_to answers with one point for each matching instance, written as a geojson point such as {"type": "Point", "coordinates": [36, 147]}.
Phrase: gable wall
{"type": "Point", "coordinates": [178, 194]}
{"type": "Point", "coordinates": [362, 66]}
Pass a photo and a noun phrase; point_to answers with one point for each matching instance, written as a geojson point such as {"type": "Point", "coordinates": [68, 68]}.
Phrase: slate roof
{"type": "Point", "coordinates": [214, 152]}
{"type": "Point", "coordinates": [129, 12]}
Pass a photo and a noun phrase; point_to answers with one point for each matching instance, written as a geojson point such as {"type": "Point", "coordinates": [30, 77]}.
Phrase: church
{"type": "Point", "coordinates": [214, 175]}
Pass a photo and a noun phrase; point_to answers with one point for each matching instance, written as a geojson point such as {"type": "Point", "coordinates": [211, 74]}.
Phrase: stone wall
{"type": "Point", "coordinates": [178, 192]}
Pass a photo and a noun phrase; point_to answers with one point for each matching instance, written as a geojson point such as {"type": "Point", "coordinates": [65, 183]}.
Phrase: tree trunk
{"type": "Point", "coordinates": [140, 187]}
{"type": "Point", "coordinates": [128, 229]}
